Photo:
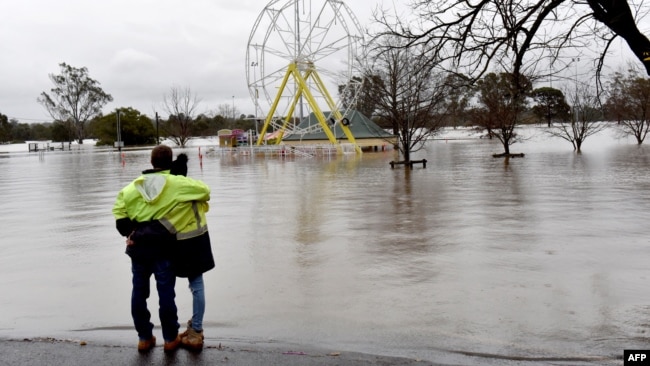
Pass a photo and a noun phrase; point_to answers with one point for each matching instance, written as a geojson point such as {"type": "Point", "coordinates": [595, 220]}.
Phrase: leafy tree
{"type": "Point", "coordinates": [502, 101]}
{"type": "Point", "coordinates": [217, 123]}
{"type": "Point", "coordinates": [458, 94]}
{"type": "Point", "coordinates": [75, 97]}
{"type": "Point", "coordinates": [20, 132]}
{"type": "Point", "coordinates": [362, 99]}
{"type": "Point", "coordinates": [135, 128]}
{"type": "Point", "coordinates": [551, 104]}
{"type": "Point", "coordinates": [5, 129]}
{"type": "Point", "coordinates": [584, 119]}
{"type": "Point", "coordinates": [628, 102]}
{"type": "Point", "coordinates": [60, 131]}
{"type": "Point", "coordinates": [181, 105]}
{"type": "Point", "coordinates": [201, 126]}
{"type": "Point", "coordinates": [40, 131]}
{"type": "Point", "coordinates": [209, 126]}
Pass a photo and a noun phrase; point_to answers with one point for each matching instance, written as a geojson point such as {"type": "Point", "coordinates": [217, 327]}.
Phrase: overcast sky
{"type": "Point", "coordinates": [136, 49]}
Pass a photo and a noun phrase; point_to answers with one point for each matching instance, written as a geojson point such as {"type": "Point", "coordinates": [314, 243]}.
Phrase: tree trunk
{"type": "Point", "coordinates": [80, 132]}
{"type": "Point", "coordinates": [407, 154]}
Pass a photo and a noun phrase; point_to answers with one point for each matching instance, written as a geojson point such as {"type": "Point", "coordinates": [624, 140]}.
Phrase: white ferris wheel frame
{"type": "Point", "coordinates": [326, 38]}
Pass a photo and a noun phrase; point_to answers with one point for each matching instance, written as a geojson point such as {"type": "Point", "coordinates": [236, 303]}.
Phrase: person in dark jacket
{"type": "Point", "coordinates": [191, 253]}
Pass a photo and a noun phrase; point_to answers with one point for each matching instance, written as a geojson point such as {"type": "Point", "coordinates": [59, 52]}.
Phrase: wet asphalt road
{"type": "Point", "coordinates": [26, 352]}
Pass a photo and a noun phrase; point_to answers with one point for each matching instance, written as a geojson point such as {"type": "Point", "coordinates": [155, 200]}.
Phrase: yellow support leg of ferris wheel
{"type": "Point", "coordinates": [303, 90]}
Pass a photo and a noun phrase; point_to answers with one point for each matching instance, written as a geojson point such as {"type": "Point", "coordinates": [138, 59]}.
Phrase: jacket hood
{"type": "Point", "coordinates": [150, 186]}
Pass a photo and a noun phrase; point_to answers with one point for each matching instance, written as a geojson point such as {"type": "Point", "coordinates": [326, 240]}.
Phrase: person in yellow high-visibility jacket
{"type": "Point", "coordinates": [157, 197]}
{"type": "Point", "coordinates": [191, 254]}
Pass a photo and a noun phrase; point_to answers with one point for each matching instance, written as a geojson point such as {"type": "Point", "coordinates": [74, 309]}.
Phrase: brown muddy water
{"type": "Point", "coordinates": [470, 261]}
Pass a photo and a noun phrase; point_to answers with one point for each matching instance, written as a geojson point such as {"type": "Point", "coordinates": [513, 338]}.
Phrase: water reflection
{"type": "Point", "coordinates": [542, 256]}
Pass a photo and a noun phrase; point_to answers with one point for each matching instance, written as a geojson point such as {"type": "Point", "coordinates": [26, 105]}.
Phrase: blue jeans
{"type": "Point", "coordinates": [198, 301]}
{"type": "Point", "coordinates": [165, 282]}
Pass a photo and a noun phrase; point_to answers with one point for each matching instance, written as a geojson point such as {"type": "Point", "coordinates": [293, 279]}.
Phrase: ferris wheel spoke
{"type": "Point", "coordinates": [285, 32]}
{"type": "Point", "coordinates": [329, 49]}
{"type": "Point", "coordinates": [279, 53]}
{"type": "Point", "coordinates": [323, 27]}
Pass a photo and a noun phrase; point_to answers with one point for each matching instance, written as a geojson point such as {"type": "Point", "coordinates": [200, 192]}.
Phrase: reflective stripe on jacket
{"type": "Point", "coordinates": [187, 220]}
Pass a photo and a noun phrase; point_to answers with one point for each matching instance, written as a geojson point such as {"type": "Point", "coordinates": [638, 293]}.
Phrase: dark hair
{"type": "Point", "coordinates": [161, 157]}
{"type": "Point", "coordinates": [179, 166]}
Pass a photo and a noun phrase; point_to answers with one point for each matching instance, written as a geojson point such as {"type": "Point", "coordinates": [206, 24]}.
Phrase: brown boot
{"type": "Point", "coordinates": [189, 326]}
{"type": "Point", "coordinates": [145, 345]}
{"type": "Point", "coordinates": [192, 339]}
{"type": "Point", "coordinates": [172, 345]}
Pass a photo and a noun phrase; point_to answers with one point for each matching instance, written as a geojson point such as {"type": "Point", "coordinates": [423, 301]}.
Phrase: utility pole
{"type": "Point", "coordinates": [157, 134]}
{"type": "Point", "coordinates": [119, 132]}
{"type": "Point", "coordinates": [575, 103]}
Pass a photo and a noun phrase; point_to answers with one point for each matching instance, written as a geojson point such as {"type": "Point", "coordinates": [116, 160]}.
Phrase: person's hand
{"type": "Point", "coordinates": [129, 242]}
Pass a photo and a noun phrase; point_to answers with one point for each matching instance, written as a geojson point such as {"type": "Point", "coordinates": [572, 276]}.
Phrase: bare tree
{"type": "Point", "coordinates": [76, 98]}
{"type": "Point", "coordinates": [228, 112]}
{"type": "Point", "coordinates": [514, 35]}
{"type": "Point", "coordinates": [181, 105]}
{"type": "Point", "coordinates": [617, 16]}
{"type": "Point", "coordinates": [410, 93]}
{"type": "Point", "coordinates": [586, 117]}
{"type": "Point", "coordinates": [628, 103]}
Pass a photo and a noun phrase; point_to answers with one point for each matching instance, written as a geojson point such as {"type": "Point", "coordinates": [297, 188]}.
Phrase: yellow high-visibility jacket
{"type": "Point", "coordinates": [159, 206]}
{"type": "Point", "coordinates": [179, 202]}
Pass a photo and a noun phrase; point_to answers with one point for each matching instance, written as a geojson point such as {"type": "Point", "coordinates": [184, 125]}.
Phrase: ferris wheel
{"type": "Point", "coordinates": [300, 52]}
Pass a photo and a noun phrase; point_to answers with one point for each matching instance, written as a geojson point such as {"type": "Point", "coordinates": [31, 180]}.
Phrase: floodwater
{"type": "Point", "coordinates": [470, 261]}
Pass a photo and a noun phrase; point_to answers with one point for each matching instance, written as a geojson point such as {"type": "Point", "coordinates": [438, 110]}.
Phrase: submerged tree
{"type": "Point", "coordinates": [502, 101]}
{"type": "Point", "coordinates": [410, 93]}
{"type": "Point", "coordinates": [628, 103]}
{"type": "Point", "coordinates": [181, 105]}
{"type": "Point", "coordinates": [585, 118]}
{"type": "Point", "coordinates": [76, 98]}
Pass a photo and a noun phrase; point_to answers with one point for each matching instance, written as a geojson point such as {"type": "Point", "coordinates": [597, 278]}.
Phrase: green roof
{"type": "Point", "coordinates": [360, 126]}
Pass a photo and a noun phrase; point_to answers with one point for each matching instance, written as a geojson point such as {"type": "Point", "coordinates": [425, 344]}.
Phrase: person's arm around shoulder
{"type": "Point", "coordinates": [194, 190]}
